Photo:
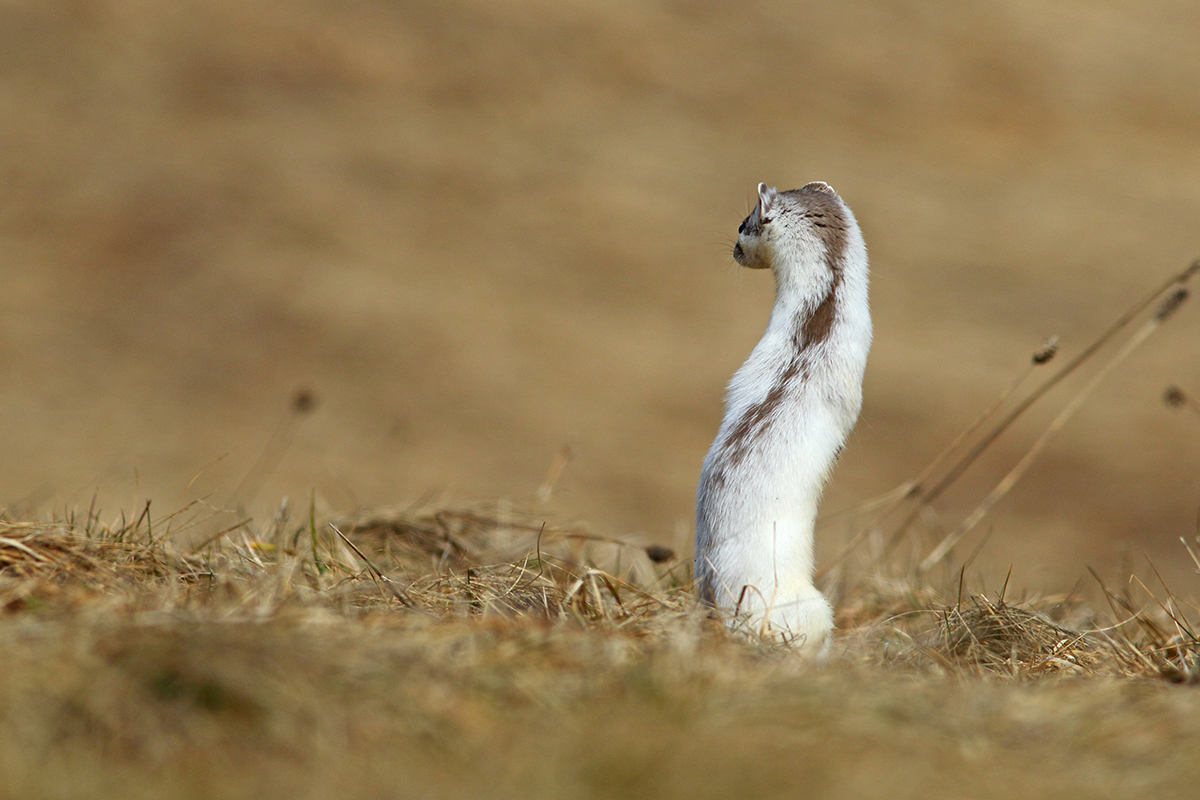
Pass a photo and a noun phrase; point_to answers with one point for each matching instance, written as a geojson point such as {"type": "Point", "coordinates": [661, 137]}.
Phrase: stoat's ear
{"type": "Point", "coordinates": [819, 186]}
{"type": "Point", "coordinates": [766, 198]}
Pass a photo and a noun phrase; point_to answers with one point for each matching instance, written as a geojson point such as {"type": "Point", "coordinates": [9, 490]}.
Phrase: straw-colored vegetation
{"type": "Point", "coordinates": [461, 652]}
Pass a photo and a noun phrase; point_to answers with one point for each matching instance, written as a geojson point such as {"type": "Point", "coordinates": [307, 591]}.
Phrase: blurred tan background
{"type": "Point", "coordinates": [480, 231]}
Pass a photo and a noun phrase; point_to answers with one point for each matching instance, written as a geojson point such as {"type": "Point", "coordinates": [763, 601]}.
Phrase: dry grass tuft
{"type": "Point", "coordinates": [40, 562]}
{"type": "Point", "coordinates": [1007, 639]}
{"type": "Point", "coordinates": [476, 561]}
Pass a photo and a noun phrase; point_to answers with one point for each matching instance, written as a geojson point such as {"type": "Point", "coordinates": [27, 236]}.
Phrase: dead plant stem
{"type": "Point", "coordinates": [966, 461]}
{"type": "Point", "coordinates": [1017, 472]}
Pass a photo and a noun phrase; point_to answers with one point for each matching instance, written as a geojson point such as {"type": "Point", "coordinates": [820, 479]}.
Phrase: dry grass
{"type": "Point", "coordinates": [465, 652]}
{"type": "Point", "coordinates": [471, 564]}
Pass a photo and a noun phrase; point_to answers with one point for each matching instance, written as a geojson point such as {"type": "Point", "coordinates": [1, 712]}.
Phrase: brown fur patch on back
{"type": "Point", "coordinates": [825, 212]}
{"type": "Point", "coordinates": [815, 329]}
{"type": "Point", "coordinates": [758, 417]}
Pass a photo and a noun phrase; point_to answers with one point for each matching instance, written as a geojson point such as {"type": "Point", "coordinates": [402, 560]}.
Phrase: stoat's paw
{"type": "Point", "coordinates": [802, 619]}
{"type": "Point", "coordinates": [806, 623]}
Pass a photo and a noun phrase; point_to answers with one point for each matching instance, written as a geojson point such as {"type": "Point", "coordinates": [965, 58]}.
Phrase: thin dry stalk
{"type": "Point", "coordinates": [1017, 472]}
{"type": "Point", "coordinates": [973, 454]}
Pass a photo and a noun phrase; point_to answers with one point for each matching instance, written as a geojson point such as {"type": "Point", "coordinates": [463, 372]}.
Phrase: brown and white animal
{"type": "Point", "coordinates": [787, 414]}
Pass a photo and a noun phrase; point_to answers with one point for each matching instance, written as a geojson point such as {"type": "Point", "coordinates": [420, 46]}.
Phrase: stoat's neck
{"type": "Point", "coordinates": [799, 284]}
{"type": "Point", "coordinates": [821, 305]}
{"type": "Point", "coordinates": [809, 304]}
{"type": "Point", "coordinates": [797, 396]}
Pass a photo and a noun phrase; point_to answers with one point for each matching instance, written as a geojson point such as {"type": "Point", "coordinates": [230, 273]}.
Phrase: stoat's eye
{"type": "Point", "coordinates": [742, 227]}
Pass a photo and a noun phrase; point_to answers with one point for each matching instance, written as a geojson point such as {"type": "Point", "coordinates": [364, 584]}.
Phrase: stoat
{"type": "Point", "coordinates": [787, 414]}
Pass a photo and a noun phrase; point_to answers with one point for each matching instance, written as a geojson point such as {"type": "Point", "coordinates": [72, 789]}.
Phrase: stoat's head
{"type": "Point", "coordinates": [802, 224]}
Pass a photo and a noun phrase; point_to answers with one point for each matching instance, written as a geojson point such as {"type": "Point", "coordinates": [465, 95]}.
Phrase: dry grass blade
{"type": "Point", "coordinates": [396, 592]}
{"type": "Point", "coordinates": [6, 542]}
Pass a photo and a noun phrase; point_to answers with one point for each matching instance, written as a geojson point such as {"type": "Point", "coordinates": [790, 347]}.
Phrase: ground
{"type": "Point", "coordinates": [449, 652]}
